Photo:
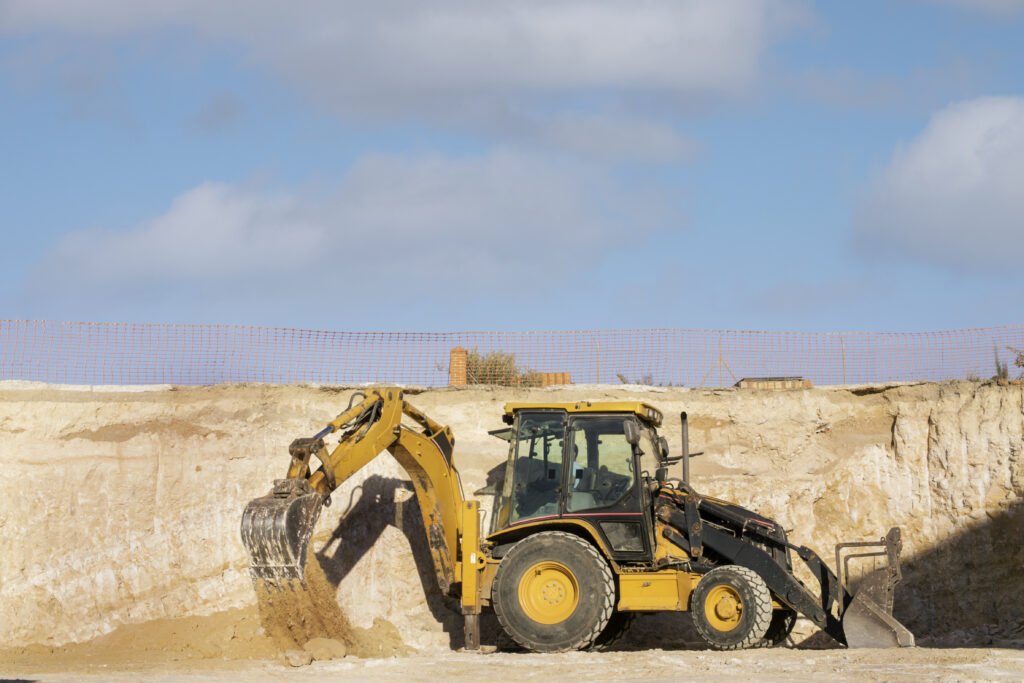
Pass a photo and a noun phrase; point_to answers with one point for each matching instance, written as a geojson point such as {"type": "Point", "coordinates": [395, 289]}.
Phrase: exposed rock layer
{"type": "Point", "coordinates": [123, 507]}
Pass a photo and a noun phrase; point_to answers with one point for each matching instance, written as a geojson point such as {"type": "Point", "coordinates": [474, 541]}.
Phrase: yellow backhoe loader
{"type": "Point", "coordinates": [581, 538]}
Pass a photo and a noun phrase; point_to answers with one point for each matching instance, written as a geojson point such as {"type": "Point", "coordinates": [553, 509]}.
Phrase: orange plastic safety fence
{"type": "Point", "coordinates": [122, 353]}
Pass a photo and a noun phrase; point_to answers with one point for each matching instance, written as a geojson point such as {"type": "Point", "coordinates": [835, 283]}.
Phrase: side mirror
{"type": "Point", "coordinates": [632, 432]}
{"type": "Point", "coordinates": [663, 446]}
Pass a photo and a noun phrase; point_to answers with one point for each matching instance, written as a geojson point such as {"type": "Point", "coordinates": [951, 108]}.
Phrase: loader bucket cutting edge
{"type": "Point", "coordinates": [276, 529]}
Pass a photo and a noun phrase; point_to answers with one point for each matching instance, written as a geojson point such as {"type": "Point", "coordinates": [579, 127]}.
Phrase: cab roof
{"type": "Point", "coordinates": [644, 411]}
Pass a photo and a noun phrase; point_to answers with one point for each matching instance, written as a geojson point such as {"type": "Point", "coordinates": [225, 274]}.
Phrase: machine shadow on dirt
{"type": "Point", "coordinates": [378, 504]}
{"type": "Point", "coordinates": [965, 592]}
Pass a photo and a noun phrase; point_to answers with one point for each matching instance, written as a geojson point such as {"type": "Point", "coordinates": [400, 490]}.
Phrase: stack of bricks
{"type": "Point", "coordinates": [774, 383]}
{"type": "Point", "coordinates": [550, 379]}
{"type": "Point", "coordinates": [457, 367]}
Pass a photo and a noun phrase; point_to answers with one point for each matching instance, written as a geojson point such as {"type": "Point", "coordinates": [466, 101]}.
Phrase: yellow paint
{"type": "Point", "coordinates": [664, 590]}
{"type": "Point", "coordinates": [553, 524]}
{"type": "Point", "coordinates": [473, 561]}
{"type": "Point", "coordinates": [665, 549]}
{"type": "Point", "coordinates": [435, 480]}
{"type": "Point", "coordinates": [548, 592]}
{"type": "Point", "coordinates": [723, 608]}
{"type": "Point", "coordinates": [645, 412]}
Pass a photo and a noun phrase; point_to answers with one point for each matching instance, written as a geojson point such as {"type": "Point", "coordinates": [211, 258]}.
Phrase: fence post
{"type": "Point", "coordinates": [842, 343]}
{"type": "Point", "coordinates": [458, 362]}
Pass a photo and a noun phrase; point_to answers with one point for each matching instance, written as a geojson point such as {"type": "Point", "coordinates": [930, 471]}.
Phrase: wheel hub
{"type": "Point", "coordinates": [723, 608]}
{"type": "Point", "coordinates": [549, 592]}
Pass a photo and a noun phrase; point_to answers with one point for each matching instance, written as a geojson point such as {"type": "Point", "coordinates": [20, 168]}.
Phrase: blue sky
{"type": "Point", "coordinates": [459, 165]}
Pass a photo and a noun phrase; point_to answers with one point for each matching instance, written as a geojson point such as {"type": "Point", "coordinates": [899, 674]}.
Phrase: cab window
{"type": "Point", "coordinates": [602, 472]}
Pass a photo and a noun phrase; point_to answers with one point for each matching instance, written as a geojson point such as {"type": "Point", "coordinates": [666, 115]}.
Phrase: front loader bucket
{"type": "Point", "coordinates": [276, 529]}
{"type": "Point", "coordinates": [867, 618]}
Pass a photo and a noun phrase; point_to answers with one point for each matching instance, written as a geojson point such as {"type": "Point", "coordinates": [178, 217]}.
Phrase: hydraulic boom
{"type": "Point", "coordinates": [276, 528]}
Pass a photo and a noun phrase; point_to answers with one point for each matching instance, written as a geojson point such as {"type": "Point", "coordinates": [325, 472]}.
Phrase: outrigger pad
{"type": "Point", "coordinates": [276, 529]}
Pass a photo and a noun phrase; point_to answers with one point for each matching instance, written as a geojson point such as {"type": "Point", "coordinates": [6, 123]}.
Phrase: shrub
{"type": "Point", "coordinates": [1002, 369]}
{"type": "Point", "coordinates": [498, 367]}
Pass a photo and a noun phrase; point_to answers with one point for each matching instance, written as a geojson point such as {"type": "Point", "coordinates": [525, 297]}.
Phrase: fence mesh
{"type": "Point", "coordinates": [122, 353]}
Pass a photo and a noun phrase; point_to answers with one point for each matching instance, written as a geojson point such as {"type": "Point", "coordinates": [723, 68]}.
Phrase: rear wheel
{"type": "Point", "coordinates": [731, 608]}
{"type": "Point", "coordinates": [554, 592]}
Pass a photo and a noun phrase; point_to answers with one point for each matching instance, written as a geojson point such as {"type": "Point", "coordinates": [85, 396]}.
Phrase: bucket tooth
{"type": "Point", "coordinates": [276, 530]}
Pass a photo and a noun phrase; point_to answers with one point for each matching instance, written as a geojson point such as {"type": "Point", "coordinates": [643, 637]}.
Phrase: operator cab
{"type": "Point", "coordinates": [581, 461]}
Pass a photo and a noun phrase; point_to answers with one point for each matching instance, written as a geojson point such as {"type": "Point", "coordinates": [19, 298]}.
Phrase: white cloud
{"type": "Point", "coordinates": [466, 63]}
{"type": "Point", "coordinates": [213, 231]}
{"type": "Point", "coordinates": [430, 227]}
{"type": "Point", "coordinates": [454, 44]}
{"type": "Point", "coordinates": [955, 195]}
{"type": "Point", "coordinates": [611, 138]}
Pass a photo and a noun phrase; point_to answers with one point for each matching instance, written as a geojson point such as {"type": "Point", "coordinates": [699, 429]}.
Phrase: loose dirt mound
{"type": "Point", "coordinates": [300, 619]}
{"type": "Point", "coordinates": [299, 616]}
{"type": "Point", "coordinates": [234, 635]}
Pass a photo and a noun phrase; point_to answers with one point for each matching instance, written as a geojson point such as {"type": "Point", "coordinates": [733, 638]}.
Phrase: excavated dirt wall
{"type": "Point", "coordinates": [121, 508]}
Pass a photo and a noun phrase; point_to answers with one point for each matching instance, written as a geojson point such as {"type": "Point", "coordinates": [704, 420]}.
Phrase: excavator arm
{"type": "Point", "coordinates": [276, 528]}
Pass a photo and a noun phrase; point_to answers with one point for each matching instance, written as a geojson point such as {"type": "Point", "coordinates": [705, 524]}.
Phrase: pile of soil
{"type": "Point", "coordinates": [233, 635]}
{"type": "Point", "coordinates": [308, 618]}
{"type": "Point", "coordinates": [299, 625]}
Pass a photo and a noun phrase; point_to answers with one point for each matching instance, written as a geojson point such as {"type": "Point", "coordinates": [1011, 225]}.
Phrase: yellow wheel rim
{"type": "Point", "coordinates": [723, 608]}
{"type": "Point", "coordinates": [548, 592]}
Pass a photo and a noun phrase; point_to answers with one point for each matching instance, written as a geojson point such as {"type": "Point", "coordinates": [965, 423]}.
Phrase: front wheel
{"type": "Point", "coordinates": [731, 608]}
{"type": "Point", "coordinates": [553, 592]}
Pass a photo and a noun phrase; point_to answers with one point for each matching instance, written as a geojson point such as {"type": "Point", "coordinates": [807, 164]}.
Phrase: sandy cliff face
{"type": "Point", "coordinates": [121, 508]}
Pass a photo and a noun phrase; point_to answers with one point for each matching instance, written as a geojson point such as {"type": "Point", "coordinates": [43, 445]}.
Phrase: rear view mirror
{"type": "Point", "coordinates": [663, 447]}
{"type": "Point", "coordinates": [632, 432]}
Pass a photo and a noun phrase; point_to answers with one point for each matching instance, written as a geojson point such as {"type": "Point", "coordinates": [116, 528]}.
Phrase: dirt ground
{"type": "Point", "coordinates": [652, 665]}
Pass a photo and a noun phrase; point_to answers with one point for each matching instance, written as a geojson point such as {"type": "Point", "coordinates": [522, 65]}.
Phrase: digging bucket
{"type": "Point", "coordinates": [276, 529]}
{"type": "Point", "coordinates": [867, 618]}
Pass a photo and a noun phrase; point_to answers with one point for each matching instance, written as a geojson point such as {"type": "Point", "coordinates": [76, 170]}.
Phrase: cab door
{"type": "Point", "coordinates": [603, 484]}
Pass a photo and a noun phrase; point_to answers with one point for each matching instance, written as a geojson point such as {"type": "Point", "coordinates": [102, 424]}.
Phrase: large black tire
{"type": "Point", "coordinates": [614, 631]}
{"type": "Point", "coordinates": [554, 592]}
{"type": "Point", "coordinates": [731, 608]}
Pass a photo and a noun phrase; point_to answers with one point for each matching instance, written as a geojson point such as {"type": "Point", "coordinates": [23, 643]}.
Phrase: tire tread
{"type": "Point", "coordinates": [608, 592]}
{"type": "Point", "coordinates": [762, 610]}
